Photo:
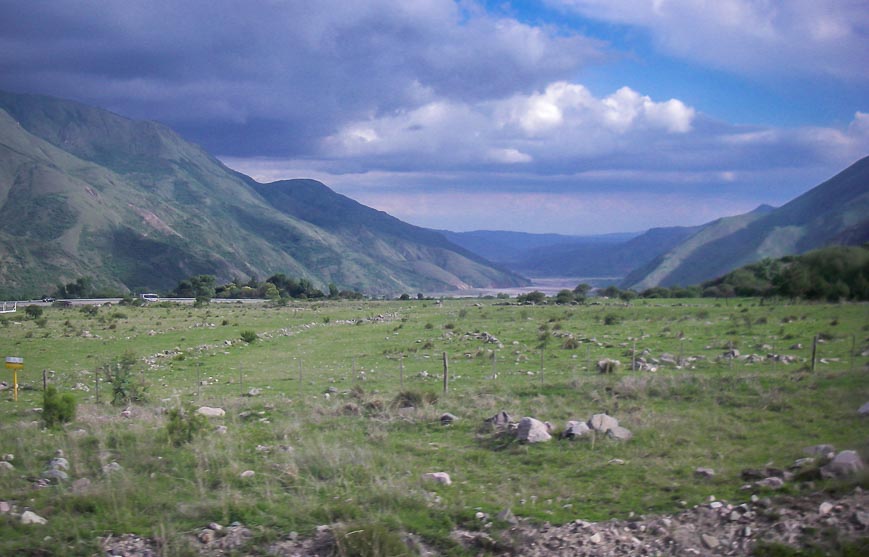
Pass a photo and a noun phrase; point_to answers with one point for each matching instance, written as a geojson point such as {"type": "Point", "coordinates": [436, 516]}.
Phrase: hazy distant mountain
{"type": "Point", "coordinates": [835, 212]}
{"type": "Point", "coordinates": [84, 192]}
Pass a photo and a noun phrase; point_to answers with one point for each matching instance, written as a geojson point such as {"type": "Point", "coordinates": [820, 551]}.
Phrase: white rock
{"type": "Point", "coordinates": [247, 474]}
{"type": "Point", "coordinates": [210, 412]}
{"type": "Point", "coordinates": [531, 430]}
{"type": "Point", "coordinates": [602, 422]}
{"type": "Point", "coordinates": [439, 477]}
{"type": "Point", "coordinates": [30, 517]}
{"type": "Point", "coordinates": [825, 508]}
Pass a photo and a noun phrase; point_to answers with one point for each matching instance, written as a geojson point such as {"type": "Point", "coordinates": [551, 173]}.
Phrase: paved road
{"type": "Point", "coordinates": [100, 301]}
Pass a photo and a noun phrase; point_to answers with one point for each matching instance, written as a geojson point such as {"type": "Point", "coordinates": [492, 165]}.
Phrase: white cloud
{"type": "Point", "coordinates": [778, 37]}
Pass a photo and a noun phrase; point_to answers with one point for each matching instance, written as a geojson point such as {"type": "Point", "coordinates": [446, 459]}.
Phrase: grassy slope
{"type": "Point", "coordinates": [832, 212]}
{"type": "Point", "coordinates": [355, 455]}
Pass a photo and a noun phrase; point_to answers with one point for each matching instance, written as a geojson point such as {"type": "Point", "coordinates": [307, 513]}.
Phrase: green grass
{"type": "Point", "coordinates": [357, 457]}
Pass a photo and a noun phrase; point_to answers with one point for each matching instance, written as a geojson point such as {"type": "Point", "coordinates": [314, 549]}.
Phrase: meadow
{"type": "Point", "coordinates": [335, 407]}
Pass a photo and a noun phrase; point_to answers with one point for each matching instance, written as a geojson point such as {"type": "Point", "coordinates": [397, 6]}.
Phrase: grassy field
{"type": "Point", "coordinates": [329, 438]}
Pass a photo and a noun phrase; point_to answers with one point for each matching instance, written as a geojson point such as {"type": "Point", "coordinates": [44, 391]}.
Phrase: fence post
{"type": "Point", "coordinates": [446, 374]}
{"type": "Point", "coordinates": [634, 356]}
{"type": "Point", "coordinates": [401, 370]}
{"type": "Point", "coordinates": [44, 379]}
{"type": "Point", "coordinates": [814, 350]}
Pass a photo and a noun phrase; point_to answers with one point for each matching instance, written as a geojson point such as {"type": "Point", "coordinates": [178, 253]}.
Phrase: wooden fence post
{"type": "Point", "coordinates": [814, 350]}
{"type": "Point", "coordinates": [446, 374]}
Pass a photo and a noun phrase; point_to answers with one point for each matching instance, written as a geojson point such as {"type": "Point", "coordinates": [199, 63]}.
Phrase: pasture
{"type": "Point", "coordinates": [335, 409]}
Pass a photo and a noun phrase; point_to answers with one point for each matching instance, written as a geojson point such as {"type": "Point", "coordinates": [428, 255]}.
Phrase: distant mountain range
{"type": "Point", "coordinates": [833, 213]}
{"type": "Point", "coordinates": [85, 192]}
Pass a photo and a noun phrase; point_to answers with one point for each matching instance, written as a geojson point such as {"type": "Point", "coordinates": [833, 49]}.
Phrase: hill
{"type": "Point", "coordinates": [85, 192]}
{"type": "Point", "coordinates": [835, 212]}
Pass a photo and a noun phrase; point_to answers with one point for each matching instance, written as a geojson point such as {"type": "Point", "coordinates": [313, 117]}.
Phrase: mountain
{"type": "Point", "coordinates": [835, 212]}
{"type": "Point", "coordinates": [85, 192]}
{"type": "Point", "coordinates": [513, 248]}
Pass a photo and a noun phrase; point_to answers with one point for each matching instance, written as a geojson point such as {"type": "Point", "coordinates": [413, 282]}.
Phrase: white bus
{"type": "Point", "coordinates": [150, 297]}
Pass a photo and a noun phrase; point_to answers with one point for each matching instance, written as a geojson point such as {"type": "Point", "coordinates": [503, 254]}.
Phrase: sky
{"type": "Point", "coordinates": [567, 116]}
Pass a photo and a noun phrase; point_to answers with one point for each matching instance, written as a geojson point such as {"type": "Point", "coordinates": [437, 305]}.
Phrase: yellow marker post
{"type": "Point", "coordinates": [14, 364]}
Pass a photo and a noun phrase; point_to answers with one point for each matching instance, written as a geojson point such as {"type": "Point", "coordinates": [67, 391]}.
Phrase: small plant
{"type": "Point", "coordinates": [248, 336]}
{"type": "Point", "coordinates": [611, 319]}
{"type": "Point", "coordinates": [41, 322]}
{"type": "Point", "coordinates": [429, 326]}
{"type": "Point", "coordinates": [201, 301]}
{"type": "Point", "coordinates": [57, 409]}
{"type": "Point", "coordinates": [183, 425]}
{"type": "Point", "coordinates": [407, 399]}
{"type": "Point", "coordinates": [90, 310]}
{"type": "Point", "coordinates": [368, 539]}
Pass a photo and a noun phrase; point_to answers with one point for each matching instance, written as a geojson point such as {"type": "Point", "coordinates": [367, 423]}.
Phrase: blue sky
{"type": "Point", "coordinates": [570, 116]}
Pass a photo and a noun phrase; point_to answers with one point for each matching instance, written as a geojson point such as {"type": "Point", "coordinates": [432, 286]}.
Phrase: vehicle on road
{"type": "Point", "coordinates": [47, 299]}
{"type": "Point", "coordinates": [150, 297]}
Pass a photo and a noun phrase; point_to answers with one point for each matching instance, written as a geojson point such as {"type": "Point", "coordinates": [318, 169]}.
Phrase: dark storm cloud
{"type": "Point", "coordinates": [272, 77]}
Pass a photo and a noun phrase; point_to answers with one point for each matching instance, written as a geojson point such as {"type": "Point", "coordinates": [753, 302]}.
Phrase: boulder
{"type": "Point", "coordinates": [819, 450]}
{"type": "Point", "coordinates": [619, 433]}
{"type": "Point", "coordinates": [447, 418]}
{"type": "Point", "coordinates": [531, 430]}
{"type": "Point", "coordinates": [210, 412]}
{"type": "Point", "coordinates": [440, 477]}
{"type": "Point", "coordinates": [30, 517]}
{"type": "Point", "coordinates": [864, 410]}
{"type": "Point", "coordinates": [844, 464]}
{"type": "Point", "coordinates": [602, 422]}
{"type": "Point", "coordinates": [575, 429]}
{"type": "Point", "coordinates": [704, 472]}
{"type": "Point", "coordinates": [501, 419]}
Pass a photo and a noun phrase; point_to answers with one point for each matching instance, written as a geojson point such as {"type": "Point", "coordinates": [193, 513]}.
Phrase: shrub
{"type": "Point", "coordinates": [125, 389]}
{"type": "Point", "coordinates": [90, 310]}
{"type": "Point", "coordinates": [248, 336]}
{"type": "Point", "coordinates": [33, 312]}
{"type": "Point", "coordinates": [57, 409]}
{"type": "Point", "coordinates": [41, 322]}
{"type": "Point", "coordinates": [201, 301]}
{"type": "Point", "coordinates": [611, 319]}
{"type": "Point", "coordinates": [406, 399]}
{"type": "Point", "coordinates": [183, 425]}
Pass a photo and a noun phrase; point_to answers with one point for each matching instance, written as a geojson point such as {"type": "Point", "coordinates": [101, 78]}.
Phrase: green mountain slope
{"type": "Point", "coordinates": [835, 212]}
{"type": "Point", "coordinates": [84, 192]}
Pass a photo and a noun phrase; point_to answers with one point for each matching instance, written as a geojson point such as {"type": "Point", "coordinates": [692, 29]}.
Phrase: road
{"type": "Point", "coordinates": [101, 301]}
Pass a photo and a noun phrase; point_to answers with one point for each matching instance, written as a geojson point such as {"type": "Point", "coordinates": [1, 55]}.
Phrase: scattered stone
{"type": "Point", "coordinates": [596, 538]}
{"type": "Point", "coordinates": [30, 517]}
{"type": "Point", "coordinates": [55, 475]}
{"type": "Point", "coordinates": [5, 465]}
{"type": "Point", "coordinates": [531, 430]}
{"type": "Point", "coordinates": [602, 422]}
{"type": "Point", "coordinates": [864, 410]}
{"type": "Point", "coordinates": [507, 516]}
{"type": "Point", "coordinates": [819, 450]}
{"type": "Point", "coordinates": [439, 477]}
{"type": "Point", "coordinates": [447, 418]}
{"type": "Point", "coordinates": [608, 365]}
{"type": "Point", "coordinates": [254, 391]}
{"type": "Point", "coordinates": [221, 429]}
{"type": "Point", "coordinates": [705, 473]}
{"type": "Point", "coordinates": [210, 412]}
{"type": "Point", "coordinates": [825, 508]}
{"type": "Point", "coordinates": [8, 457]}
{"type": "Point", "coordinates": [844, 464]}
{"type": "Point", "coordinates": [771, 483]}
{"type": "Point", "coordinates": [247, 474]}
{"type": "Point", "coordinates": [575, 429]}
{"type": "Point", "coordinates": [501, 419]}
{"type": "Point", "coordinates": [5, 507]}
{"type": "Point", "coordinates": [709, 541]}
{"type": "Point", "coordinates": [111, 468]}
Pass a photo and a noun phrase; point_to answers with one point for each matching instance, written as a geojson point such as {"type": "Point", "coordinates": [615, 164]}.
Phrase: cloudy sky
{"type": "Point", "coordinates": [571, 116]}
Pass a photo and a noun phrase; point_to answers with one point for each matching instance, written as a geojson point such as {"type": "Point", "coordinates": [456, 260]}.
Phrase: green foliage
{"type": "Point", "coordinates": [248, 336]}
{"type": "Point", "coordinates": [33, 312]}
{"type": "Point", "coordinates": [368, 539]}
{"type": "Point", "coordinates": [125, 388]}
{"type": "Point", "coordinates": [835, 273]}
{"type": "Point", "coordinates": [183, 425]}
{"type": "Point", "coordinates": [535, 297]}
{"type": "Point", "coordinates": [82, 287]}
{"type": "Point", "coordinates": [196, 286]}
{"type": "Point", "coordinates": [415, 399]}
{"type": "Point", "coordinates": [90, 310]}
{"type": "Point", "coordinates": [57, 409]}
{"type": "Point", "coordinates": [611, 319]}
{"type": "Point", "coordinates": [565, 297]}
{"type": "Point", "coordinates": [201, 301]}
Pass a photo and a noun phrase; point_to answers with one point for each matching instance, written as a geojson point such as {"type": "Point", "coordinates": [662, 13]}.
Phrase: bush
{"type": "Point", "coordinates": [415, 399]}
{"type": "Point", "coordinates": [611, 319]}
{"type": "Point", "coordinates": [183, 425]}
{"type": "Point", "coordinates": [57, 409]}
{"type": "Point", "coordinates": [33, 312]}
{"type": "Point", "coordinates": [201, 301]}
{"type": "Point", "coordinates": [125, 389]}
{"type": "Point", "coordinates": [248, 336]}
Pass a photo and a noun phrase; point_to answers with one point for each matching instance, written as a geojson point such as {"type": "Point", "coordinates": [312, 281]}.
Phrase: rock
{"type": "Point", "coordinates": [206, 536]}
{"type": "Point", "coordinates": [861, 518]}
{"type": "Point", "coordinates": [5, 507]}
{"type": "Point", "coordinates": [5, 465]}
{"type": "Point", "coordinates": [575, 429]}
{"type": "Point", "coordinates": [80, 485]}
{"type": "Point", "coordinates": [447, 418]}
{"type": "Point", "coordinates": [8, 457]}
{"type": "Point", "coordinates": [771, 483]}
{"type": "Point", "coordinates": [221, 429]}
{"type": "Point", "coordinates": [55, 474]}
{"type": "Point", "coordinates": [704, 472]}
{"type": "Point", "coordinates": [819, 450]}
{"type": "Point", "coordinates": [247, 474]}
{"type": "Point", "coordinates": [501, 419]}
{"type": "Point", "coordinates": [619, 433]}
{"type": "Point", "coordinates": [507, 516]}
{"type": "Point", "coordinates": [602, 422]}
{"type": "Point", "coordinates": [825, 508]}
{"type": "Point", "coordinates": [864, 410]}
{"type": "Point", "coordinates": [210, 412]}
{"type": "Point", "coordinates": [58, 463]}
{"type": "Point", "coordinates": [531, 430]}
{"type": "Point", "coordinates": [254, 391]}
{"type": "Point", "coordinates": [709, 541]}
{"type": "Point", "coordinates": [111, 468]}
{"type": "Point", "coordinates": [596, 538]}
{"type": "Point", "coordinates": [440, 477]}
{"type": "Point", "coordinates": [608, 365]}
{"type": "Point", "coordinates": [30, 517]}
{"type": "Point", "coordinates": [844, 464]}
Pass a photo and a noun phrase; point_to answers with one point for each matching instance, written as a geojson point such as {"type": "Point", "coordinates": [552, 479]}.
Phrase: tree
{"type": "Point", "coordinates": [565, 297]}
{"type": "Point", "coordinates": [33, 312]}
{"type": "Point", "coordinates": [533, 297]}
